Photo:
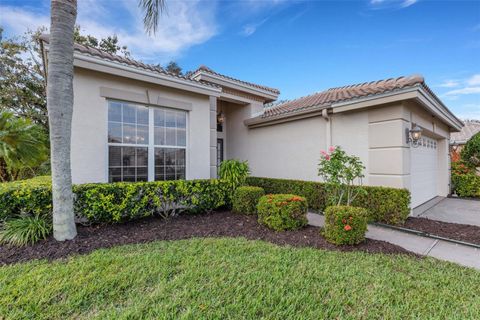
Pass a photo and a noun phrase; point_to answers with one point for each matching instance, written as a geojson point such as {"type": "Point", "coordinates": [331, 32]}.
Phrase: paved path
{"type": "Point", "coordinates": [443, 250]}
{"type": "Point", "coordinates": [455, 211]}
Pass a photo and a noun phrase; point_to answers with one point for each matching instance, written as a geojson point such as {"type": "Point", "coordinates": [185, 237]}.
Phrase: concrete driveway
{"type": "Point", "coordinates": [455, 211]}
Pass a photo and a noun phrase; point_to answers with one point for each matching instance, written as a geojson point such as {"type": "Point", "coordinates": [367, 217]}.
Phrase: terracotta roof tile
{"type": "Point", "coordinates": [333, 95]}
{"type": "Point", "coordinates": [208, 70]}
{"type": "Point", "coordinates": [470, 128]}
{"type": "Point", "coordinates": [127, 61]}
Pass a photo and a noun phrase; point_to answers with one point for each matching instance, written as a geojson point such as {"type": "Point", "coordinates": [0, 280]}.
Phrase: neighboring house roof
{"type": "Point", "coordinates": [130, 62]}
{"type": "Point", "coordinates": [210, 71]}
{"type": "Point", "coordinates": [333, 95]}
{"type": "Point", "coordinates": [470, 128]}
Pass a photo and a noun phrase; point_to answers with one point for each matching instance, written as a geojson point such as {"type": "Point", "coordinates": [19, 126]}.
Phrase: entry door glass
{"type": "Point", "coordinates": [219, 152]}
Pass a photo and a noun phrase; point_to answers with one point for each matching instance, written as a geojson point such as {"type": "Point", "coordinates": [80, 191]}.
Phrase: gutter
{"type": "Point", "coordinates": [286, 117]}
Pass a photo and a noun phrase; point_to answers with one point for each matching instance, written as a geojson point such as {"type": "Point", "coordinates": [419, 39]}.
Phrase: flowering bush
{"type": "Point", "coordinates": [282, 211]}
{"type": "Point", "coordinates": [460, 167]}
{"type": "Point", "coordinates": [345, 224]}
{"type": "Point", "coordinates": [340, 171]}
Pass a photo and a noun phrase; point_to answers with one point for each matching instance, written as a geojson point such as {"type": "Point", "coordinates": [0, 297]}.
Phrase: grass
{"type": "Point", "coordinates": [235, 278]}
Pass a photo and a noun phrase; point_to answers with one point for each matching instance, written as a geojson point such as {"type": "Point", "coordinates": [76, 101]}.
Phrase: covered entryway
{"type": "Point", "coordinates": [424, 171]}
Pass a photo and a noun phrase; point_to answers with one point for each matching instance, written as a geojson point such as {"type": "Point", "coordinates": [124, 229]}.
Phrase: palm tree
{"type": "Point", "coordinates": [60, 104]}
{"type": "Point", "coordinates": [22, 146]}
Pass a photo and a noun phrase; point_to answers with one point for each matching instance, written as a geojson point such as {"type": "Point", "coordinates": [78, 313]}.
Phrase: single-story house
{"type": "Point", "coordinates": [136, 122]}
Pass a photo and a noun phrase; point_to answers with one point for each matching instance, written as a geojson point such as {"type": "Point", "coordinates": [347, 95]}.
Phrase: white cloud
{"type": "Point", "coordinates": [185, 24]}
{"type": "Point", "coordinates": [408, 3]}
{"type": "Point", "coordinates": [19, 21]}
{"type": "Point", "coordinates": [463, 91]}
{"type": "Point", "coordinates": [381, 4]}
{"type": "Point", "coordinates": [449, 84]}
{"type": "Point", "coordinates": [250, 29]}
{"type": "Point", "coordinates": [474, 80]}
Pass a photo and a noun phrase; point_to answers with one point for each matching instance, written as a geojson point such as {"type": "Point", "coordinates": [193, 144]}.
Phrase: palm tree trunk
{"type": "Point", "coordinates": [60, 110]}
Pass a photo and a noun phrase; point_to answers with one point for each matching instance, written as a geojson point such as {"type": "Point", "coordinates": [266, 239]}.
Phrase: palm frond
{"type": "Point", "coordinates": [152, 10]}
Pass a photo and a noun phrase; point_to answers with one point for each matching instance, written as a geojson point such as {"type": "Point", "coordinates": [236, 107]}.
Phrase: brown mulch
{"type": "Point", "coordinates": [215, 224]}
{"type": "Point", "coordinates": [462, 232]}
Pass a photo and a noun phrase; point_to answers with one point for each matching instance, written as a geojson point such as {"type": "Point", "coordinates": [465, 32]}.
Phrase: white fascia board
{"type": "Point", "coordinates": [439, 109]}
{"type": "Point", "coordinates": [98, 64]}
{"type": "Point", "coordinates": [235, 85]}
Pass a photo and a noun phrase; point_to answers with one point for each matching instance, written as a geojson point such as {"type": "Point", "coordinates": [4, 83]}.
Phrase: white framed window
{"type": "Point", "coordinates": [145, 143]}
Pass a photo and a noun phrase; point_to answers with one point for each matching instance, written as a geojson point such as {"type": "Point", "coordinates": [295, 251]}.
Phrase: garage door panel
{"type": "Point", "coordinates": [424, 171]}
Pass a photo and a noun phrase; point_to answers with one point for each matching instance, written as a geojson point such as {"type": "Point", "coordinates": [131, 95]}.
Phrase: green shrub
{"type": "Point", "coordinates": [471, 151]}
{"type": "Point", "coordinates": [282, 211]}
{"type": "Point", "coordinates": [245, 199]}
{"type": "Point", "coordinates": [466, 185]}
{"type": "Point", "coordinates": [384, 204]}
{"type": "Point", "coordinates": [116, 202]}
{"type": "Point", "coordinates": [25, 230]}
{"type": "Point", "coordinates": [345, 224]}
{"type": "Point", "coordinates": [233, 172]}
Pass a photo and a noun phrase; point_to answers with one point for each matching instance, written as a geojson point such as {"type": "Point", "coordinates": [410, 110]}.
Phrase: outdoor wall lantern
{"type": "Point", "coordinates": [414, 135]}
{"type": "Point", "coordinates": [220, 118]}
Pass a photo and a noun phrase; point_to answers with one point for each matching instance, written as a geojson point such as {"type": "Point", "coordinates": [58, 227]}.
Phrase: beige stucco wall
{"type": "Point", "coordinates": [290, 150]}
{"type": "Point", "coordinates": [89, 125]}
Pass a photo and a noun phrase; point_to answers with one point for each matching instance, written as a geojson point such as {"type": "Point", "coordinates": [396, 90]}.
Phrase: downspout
{"type": "Point", "coordinates": [328, 133]}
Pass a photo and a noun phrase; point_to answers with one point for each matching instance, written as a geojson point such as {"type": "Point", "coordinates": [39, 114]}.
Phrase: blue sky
{"type": "Point", "coordinates": [295, 46]}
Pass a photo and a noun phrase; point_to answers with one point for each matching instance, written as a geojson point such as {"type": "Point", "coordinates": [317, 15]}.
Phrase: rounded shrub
{"type": "Point", "coordinates": [471, 152]}
{"type": "Point", "coordinates": [345, 224]}
{"type": "Point", "coordinates": [245, 199]}
{"type": "Point", "coordinates": [282, 211]}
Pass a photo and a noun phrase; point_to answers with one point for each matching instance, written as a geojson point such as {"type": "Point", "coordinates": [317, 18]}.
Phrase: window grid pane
{"type": "Point", "coordinates": [129, 124]}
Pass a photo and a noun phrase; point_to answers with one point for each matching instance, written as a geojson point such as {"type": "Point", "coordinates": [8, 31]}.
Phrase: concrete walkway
{"type": "Point", "coordinates": [440, 249]}
{"type": "Point", "coordinates": [455, 211]}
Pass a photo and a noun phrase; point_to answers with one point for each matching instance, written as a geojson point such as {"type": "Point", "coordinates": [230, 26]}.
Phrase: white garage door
{"type": "Point", "coordinates": [423, 171]}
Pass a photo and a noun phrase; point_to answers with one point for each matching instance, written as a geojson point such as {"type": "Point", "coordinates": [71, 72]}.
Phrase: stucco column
{"type": "Point", "coordinates": [213, 137]}
{"type": "Point", "coordinates": [443, 183]}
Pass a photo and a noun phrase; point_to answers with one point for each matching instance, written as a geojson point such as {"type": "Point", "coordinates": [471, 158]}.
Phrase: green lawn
{"type": "Point", "coordinates": [235, 278]}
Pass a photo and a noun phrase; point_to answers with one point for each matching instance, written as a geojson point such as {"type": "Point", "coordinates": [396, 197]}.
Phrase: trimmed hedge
{"type": "Point", "coordinates": [384, 204]}
{"type": "Point", "coordinates": [282, 211]}
{"type": "Point", "coordinates": [345, 224]}
{"type": "Point", "coordinates": [466, 185]}
{"type": "Point", "coordinates": [245, 199]}
{"type": "Point", "coordinates": [116, 202]}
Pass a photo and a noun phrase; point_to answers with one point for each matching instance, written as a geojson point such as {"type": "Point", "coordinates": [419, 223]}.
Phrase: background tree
{"type": "Point", "coordinates": [22, 147]}
{"type": "Point", "coordinates": [174, 68]}
{"type": "Point", "coordinates": [22, 76]}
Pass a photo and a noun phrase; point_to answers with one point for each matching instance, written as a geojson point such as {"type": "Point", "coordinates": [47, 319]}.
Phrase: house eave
{"type": "Point", "coordinates": [205, 76]}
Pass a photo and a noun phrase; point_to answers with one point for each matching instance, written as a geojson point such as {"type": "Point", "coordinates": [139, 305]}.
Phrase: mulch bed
{"type": "Point", "coordinates": [462, 232]}
{"type": "Point", "coordinates": [215, 224]}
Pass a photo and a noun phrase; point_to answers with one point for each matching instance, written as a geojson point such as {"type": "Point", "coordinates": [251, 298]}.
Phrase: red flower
{"type": "Point", "coordinates": [347, 228]}
{"type": "Point", "coordinates": [344, 221]}
{"type": "Point", "coordinates": [351, 218]}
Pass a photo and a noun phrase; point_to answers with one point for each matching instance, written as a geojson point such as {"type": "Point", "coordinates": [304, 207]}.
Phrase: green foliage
{"type": "Point", "coordinates": [115, 202]}
{"type": "Point", "coordinates": [173, 68]}
{"type": "Point", "coordinates": [234, 172]}
{"type": "Point", "coordinates": [384, 204]}
{"type": "Point", "coordinates": [340, 171]}
{"type": "Point", "coordinates": [228, 278]}
{"type": "Point", "coordinates": [466, 185]}
{"type": "Point", "coordinates": [282, 211]}
{"type": "Point", "coordinates": [461, 167]}
{"type": "Point", "coordinates": [25, 230]}
{"type": "Point", "coordinates": [108, 44]}
{"type": "Point", "coordinates": [345, 225]}
{"type": "Point", "coordinates": [245, 199]}
{"type": "Point", "coordinates": [23, 146]}
{"type": "Point", "coordinates": [471, 151]}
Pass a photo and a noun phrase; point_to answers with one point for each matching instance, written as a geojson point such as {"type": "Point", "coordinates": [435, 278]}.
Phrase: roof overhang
{"type": "Point", "coordinates": [417, 93]}
{"type": "Point", "coordinates": [223, 82]}
{"type": "Point", "coordinates": [98, 64]}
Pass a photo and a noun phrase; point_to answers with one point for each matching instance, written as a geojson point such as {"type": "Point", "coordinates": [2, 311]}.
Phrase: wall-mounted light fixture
{"type": "Point", "coordinates": [220, 117]}
{"type": "Point", "coordinates": [414, 135]}
{"type": "Point", "coordinates": [455, 146]}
